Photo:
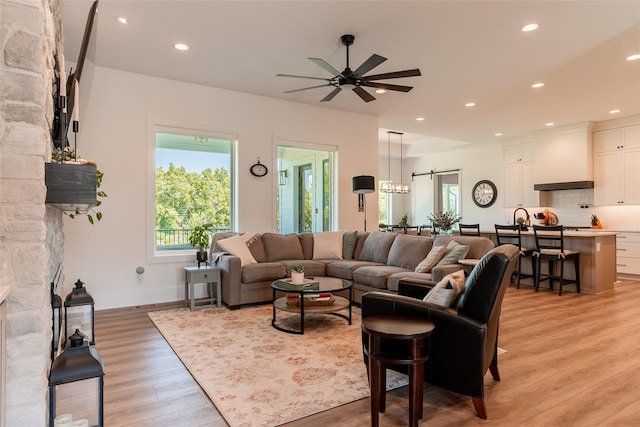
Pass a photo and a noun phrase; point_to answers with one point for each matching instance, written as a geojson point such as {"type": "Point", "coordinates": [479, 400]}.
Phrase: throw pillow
{"type": "Point", "coordinates": [327, 245]}
{"type": "Point", "coordinates": [239, 246]}
{"type": "Point", "coordinates": [445, 292]}
{"type": "Point", "coordinates": [349, 244]}
{"type": "Point", "coordinates": [435, 255]}
{"type": "Point", "coordinates": [455, 251]}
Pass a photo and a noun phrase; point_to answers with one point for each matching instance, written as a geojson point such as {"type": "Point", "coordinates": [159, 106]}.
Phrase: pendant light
{"type": "Point", "coordinates": [389, 186]}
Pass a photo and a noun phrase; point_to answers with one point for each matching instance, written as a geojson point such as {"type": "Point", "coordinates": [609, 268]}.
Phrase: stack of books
{"type": "Point", "coordinates": [308, 284]}
{"type": "Point", "coordinates": [322, 298]}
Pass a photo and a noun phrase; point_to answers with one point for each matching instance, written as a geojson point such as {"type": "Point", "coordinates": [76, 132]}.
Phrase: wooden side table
{"type": "Point", "coordinates": [210, 276]}
{"type": "Point", "coordinates": [413, 331]}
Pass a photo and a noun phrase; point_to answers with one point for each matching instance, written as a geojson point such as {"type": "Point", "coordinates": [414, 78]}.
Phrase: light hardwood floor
{"type": "Point", "coordinates": [572, 360]}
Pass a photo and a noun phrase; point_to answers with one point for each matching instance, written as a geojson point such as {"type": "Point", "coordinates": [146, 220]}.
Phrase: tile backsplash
{"type": "Point", "coordinates": [568, 206]}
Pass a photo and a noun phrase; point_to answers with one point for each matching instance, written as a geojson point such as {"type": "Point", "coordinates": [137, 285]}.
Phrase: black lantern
{"type": "Point", "coordinates": [76, 385]}
{"type": "Point", "coordinates": [79, 313]}
{"type": "Point", "coordinates": [56, 313]}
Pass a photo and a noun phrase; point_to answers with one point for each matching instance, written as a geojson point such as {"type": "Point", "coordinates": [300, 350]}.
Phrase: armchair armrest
{"type": "Point", "coordinates": [414, 288]}
{"type": "Point", "coordinates": [439, 271]}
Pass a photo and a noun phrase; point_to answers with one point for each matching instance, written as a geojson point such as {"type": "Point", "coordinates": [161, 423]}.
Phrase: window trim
{"type": "Point", "coordinates": [184, 255]}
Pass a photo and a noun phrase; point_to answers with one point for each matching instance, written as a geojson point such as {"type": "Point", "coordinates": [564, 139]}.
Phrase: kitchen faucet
{"type": "Point", "coordinates": [527, 221]}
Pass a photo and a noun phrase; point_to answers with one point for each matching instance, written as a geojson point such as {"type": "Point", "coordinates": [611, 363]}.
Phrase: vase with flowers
{"type": "Point", "coordinates": [444, 221]}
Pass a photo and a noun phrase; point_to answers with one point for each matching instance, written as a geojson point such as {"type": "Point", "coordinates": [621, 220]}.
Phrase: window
{"type": "Point", "coordinates": [384, 205]}
{"type": "Point", "coordinates": [192, 186]}
{"type": "Point", "coordinates": [447, 193]}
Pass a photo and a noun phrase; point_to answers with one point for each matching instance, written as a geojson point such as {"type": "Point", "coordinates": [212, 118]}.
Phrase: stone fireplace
{"type": "Point", "coordinates": [31, 236]}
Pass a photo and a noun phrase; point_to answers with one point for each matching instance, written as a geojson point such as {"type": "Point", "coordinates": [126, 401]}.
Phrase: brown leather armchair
{"type": "Point", "coordinates": [464, 343]}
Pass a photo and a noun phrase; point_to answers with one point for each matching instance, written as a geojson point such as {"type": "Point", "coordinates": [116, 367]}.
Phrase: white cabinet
{"type": "Point", "coordinates": [617, 166]}
{"type": "Point", "coordinates": [628, 253]}
{"type": "Point", "coordinates": [518, 176]}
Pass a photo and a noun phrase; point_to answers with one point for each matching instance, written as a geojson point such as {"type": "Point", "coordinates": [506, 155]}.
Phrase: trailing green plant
{"type": "Point", "coordinates": [200, 236]}
{"type": "Point", "coordinates": [445, 220]}
{"type": "Point", "coordinates": [298, 268]}
{"type": "Point", "coordinates": [70, 155]}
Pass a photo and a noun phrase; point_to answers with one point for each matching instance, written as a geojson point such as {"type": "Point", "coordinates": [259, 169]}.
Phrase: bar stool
{"type": "Point", "coordinates": [411, 331]}
{"type": "Point", "coordinates": [513, 234]}
{"type": "Point", "coordinates": [550, 247]}
{"type": "Point", "coordinates": [469, 229]}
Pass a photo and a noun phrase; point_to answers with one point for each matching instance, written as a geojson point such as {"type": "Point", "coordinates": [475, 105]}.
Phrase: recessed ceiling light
{"type": "Point", "coordinates": [537, 85]}
{"type": "Point", "coordinates": [633, 57]}
{"type": "Point", "coordinates": [549, 124]}
{"type": "Point", "coordinates": [122, 20]}
{"type": "Point", "coordinates": [181, 46]}
{"type": "Point", "coordinates": [419, 119]}
{"type": "Point", "coordinates": [470, 104]}
{"type": "Point", "coordinates": [380, 91]}
{"type": "Point", "coordinates": [498, 133]}
{"type": "Point", "coordinates": [529, 27]}
{"type": "Point", "coordinates": [616, 111]}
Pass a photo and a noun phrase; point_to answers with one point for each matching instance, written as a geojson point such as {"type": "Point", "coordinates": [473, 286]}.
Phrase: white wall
{"type": "Point", "coordinates": [114, 133]}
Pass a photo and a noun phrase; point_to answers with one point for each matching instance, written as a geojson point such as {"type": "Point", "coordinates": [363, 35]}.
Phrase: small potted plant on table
{"type": "Point", "coordinates": [297, 274]}
{"type": "Point", "coordinates": [199, 239]}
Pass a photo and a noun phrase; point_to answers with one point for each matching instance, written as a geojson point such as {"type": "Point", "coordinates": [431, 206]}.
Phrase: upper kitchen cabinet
{"type": "Point", "coordinates": [519, 162]}
{"type": "Point", "coordinates": [617, 166]}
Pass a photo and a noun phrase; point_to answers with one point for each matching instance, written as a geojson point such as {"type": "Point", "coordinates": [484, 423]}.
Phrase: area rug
{"type": "Point", "coordinates": [258, 376]}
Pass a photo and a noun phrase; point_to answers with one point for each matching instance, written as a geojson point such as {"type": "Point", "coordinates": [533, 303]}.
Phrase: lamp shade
{"type": "Point", "coordinates": [364, 184]}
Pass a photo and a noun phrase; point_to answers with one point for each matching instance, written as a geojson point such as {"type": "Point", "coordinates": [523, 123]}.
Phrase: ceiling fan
{"type": "Point", "coordinates": [355, 79]}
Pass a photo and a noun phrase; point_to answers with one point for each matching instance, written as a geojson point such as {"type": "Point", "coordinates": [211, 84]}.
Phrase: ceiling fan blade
{"type": "Point", "coordinates": [388, 86]}
{"type": "Point", "coordinates": [306, 88]}
{"type": "Point", "coordinates": [301, 77]}
{"type": "Point", "coordinates": [322, 63]}
{"type": "Point", "coordinates": [395, 75]}
{"type": "Point", "coordinates": [368, 65]}
{"type": "Point", "coordinates": [331, 95]}
{"type": "Point", "coordinates": [366, 96]}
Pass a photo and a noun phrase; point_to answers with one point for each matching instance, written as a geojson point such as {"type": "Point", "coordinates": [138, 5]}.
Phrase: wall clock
{"type": "Point", "coordinates": [258, 169]}
{"type": "Point", "coordinates": [484, 193]}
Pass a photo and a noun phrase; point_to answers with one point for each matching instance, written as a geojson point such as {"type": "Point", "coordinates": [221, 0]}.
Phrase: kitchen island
{"type": "Point", "coordinates": [597, 258]}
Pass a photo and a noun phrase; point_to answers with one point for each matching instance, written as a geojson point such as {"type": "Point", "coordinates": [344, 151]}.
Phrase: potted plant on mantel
{"type": "Point", "coordinates": [199, 239]}
{"type": "Point", "coordinates": [73, 184]}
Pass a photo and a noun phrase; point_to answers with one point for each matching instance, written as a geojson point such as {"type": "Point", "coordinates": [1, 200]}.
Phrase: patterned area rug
{"type": "Point", "coordinates": [258, 376]}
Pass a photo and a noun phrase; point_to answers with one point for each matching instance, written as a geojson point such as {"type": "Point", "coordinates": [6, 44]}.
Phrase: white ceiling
{"type": "Point", "coordinates": [466, 51]}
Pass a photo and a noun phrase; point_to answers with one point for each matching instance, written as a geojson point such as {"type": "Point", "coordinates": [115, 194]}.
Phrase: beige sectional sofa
{"type": "Point", "coordinates": [371, 260]}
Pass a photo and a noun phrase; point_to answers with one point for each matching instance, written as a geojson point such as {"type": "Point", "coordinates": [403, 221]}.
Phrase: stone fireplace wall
{"type": "Point", "coordinates": [31, 238]}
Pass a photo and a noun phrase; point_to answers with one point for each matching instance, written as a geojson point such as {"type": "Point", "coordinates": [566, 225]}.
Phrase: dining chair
{"type": "Point", "coordinates": [469, 229]}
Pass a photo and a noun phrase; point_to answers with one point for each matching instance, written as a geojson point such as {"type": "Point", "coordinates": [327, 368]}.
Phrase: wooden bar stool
{"type": "Point", "coordinates": [411, 331]}
{"type": "Point", "coordinates": [550, 247]}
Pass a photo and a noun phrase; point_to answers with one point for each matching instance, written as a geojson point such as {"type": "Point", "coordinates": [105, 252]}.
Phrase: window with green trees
{"type": "Point", "coordinates": [192, 187]}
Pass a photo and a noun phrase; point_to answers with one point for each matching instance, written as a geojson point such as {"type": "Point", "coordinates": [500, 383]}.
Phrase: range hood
{"type": "Point", "coordinates": [572, 185]}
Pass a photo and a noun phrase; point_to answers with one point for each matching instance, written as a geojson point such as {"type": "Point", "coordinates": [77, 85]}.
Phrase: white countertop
{"type": "Point", "coordinates": [571, 233]}
{"type": "Point", "coordinates": [5, 290]}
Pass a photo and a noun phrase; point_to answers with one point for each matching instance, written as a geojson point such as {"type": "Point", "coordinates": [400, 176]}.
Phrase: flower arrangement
{"type": "Point", "coordinates": [444, 220]}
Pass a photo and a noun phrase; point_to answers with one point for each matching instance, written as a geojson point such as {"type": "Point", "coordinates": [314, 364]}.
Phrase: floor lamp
{"type": "Point", "coordinates": [362, 185]}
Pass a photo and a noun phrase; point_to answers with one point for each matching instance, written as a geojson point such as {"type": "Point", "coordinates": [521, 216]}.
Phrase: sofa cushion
{"type": "Point", "coordinates": [349, 243]}
{"type": "Point", "coordinates": [238, 246]}
{"type": "Point", "coordinates": [376, 247]}
{"type": "Point", "coordinates": [478, 246]}
{"type": "Point", "coordinates": [343, 269]}
{"type": "Point", "coordinates": [263, 271]}
{"type": "Point", "coordinates": [311, 268]}
{"type": "Point", "coordinates": [327, 245]}
{"type": "Point", "coordinates": [306, 240]}
{"type": "Point", "coordinates": [220, 235]}
{"type": "Point", "coordinates": [361, 237]}
{"type": "Point", "coordinates": [256, 247]}
{"type": "Point", "coordinates": [407, 251]}
{"type": "Point", "coordinates": [282, 246]}
{"type": "Point", "coordinates": [455, 251]}
{"type": "Point", "coordinates": [435, 255]}
{"type": "Point", "coordinates": [376, 276]}
{"type": "Point", "coordinates": [446, 291]}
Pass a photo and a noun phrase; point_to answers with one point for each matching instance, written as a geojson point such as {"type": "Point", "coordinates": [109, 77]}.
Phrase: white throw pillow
{"type": "Point", "coordinates": [445, 292]}
{"type": "Point", "coordinates": [435, 255]}
{"type": "Point", "coordinates": [327, 245]}
{"type": "Point", "coordinates": [238, 246]}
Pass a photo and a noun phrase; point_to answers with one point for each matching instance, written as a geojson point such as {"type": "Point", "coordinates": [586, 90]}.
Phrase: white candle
{"type": "Point", "coordinates": [80, 423]}
{"type": "Point", "coordinates": [76, 102]}
{"type": "Point", "coordinates": [64, 420]}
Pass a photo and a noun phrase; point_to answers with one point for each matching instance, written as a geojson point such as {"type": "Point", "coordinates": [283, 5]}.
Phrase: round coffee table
{"type": "Point", "coordinates": [325, 284]}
